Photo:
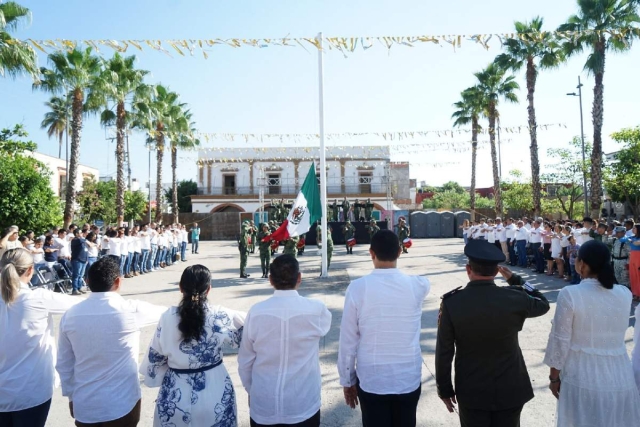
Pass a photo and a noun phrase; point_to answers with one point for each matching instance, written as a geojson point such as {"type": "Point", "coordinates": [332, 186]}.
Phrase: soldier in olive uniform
{"type": "Point", "coordinates": [265, 249]}
{"type": "Point", "coordinates": [273, 227]}
{"type": "Point", "coordinates": [348, 230]}
{"type": "Point", "coordinates": [403, 233]}
{"type": "Point", "coordinates": [329, 242]}
{"type": "Point", "coordinates": [373, 228]}
{"type": "Point", "coordinates": [479, 325]}
{"type": "Point", "coordinates": [346, 206]}
{"type": "Point", "coordinates": [356, 210]}
{"type": "Point", "coordinates": [291, 246]}
{"type": "Point", "coordinates": [620, 256]}
{"type": "Point", "coordinates": [253, 231]}
{"type": "Point", "coordinates": [243, 247]}
{"type": "Point", "coordinates": [368, 210]}
{"type": "Point", "coordinates": [335, 207]}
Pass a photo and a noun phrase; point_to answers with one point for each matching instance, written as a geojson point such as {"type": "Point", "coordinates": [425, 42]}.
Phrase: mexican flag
{"type": "Point", "coordinates": [304, 212]}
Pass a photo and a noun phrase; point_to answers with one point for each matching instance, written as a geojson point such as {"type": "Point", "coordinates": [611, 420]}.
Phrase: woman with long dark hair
{"type": "Point", "coordinates": [185, 358]}
{"type": "Point", "coordinates": [590, 371]}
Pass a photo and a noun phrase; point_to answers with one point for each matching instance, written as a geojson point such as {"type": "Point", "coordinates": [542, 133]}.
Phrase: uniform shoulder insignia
{"type": "Point", "coordinates": [448, 294]}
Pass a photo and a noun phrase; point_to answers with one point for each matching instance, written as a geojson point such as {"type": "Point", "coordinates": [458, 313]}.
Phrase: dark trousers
{"type": "Point", "coordinates": [389, 410]}
{"type": "Point", "coordinates": [480, 418]}
{"type": "Point", "coordinates": [522, 252]}
{"type": "Point", "coordinates": [538, 257]}
{"type": "Point", "coordinates": [130, 420]}
{"type": "Point", "coordinates": [512, 252]}
{"type": "Point", "coordinates": [31, 417]}
{"type": "Point", "coordinates": [311, 422]}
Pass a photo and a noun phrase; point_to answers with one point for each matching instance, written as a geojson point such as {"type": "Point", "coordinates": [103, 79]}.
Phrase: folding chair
{"type": "Point", "coordinates": [38, 281]}
{"type": "Point", "coordinates": [49, 275]}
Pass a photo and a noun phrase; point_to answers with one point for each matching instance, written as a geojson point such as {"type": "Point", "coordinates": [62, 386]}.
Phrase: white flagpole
{"type": "Point", "coordinates": [323, 161]}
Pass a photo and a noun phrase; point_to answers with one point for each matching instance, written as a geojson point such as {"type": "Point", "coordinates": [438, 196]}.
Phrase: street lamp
{"type": "Point", "coordinates": [584, 162]}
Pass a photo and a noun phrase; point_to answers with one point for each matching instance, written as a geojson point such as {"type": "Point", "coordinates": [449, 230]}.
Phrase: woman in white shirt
{"type": "Point", "coordinates": [590, 371]}
{"type": "Point", "coordinates": [185, 358]}
{"type": "Point", "coordinates": [465, 230]}
{"type": "Point", "coordinates": [27, 345]}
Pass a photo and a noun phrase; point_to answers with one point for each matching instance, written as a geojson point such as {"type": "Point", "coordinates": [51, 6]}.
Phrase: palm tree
{"type": "Point", "coordinates": [469, 110]}
{"type": "Point", "coordinates": [601, 26]}
{"type": "Point", "coordinates": [56, 119]}
{"type": "Point", "coordinates": [494, 85]}
{"type": "Point", "coordinates": [532, 49]}
{"type": "Point", "coordinates": [183, 138]}
{"type": "Point", "coordinates": [16, 57]}
{"type": "Point", "coordinates": [114, 89]}
{"type": "Point", "coordinates": [160, 117]}
{"type": "Point", "coordinates": [71, 72]}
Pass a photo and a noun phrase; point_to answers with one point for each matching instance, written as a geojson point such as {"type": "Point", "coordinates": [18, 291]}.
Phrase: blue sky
{"type": "Point", "coordinates": [274, 90]}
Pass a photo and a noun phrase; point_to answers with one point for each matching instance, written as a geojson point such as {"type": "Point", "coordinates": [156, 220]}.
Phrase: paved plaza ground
{"type": "Point", "coordinates": [440, 260]}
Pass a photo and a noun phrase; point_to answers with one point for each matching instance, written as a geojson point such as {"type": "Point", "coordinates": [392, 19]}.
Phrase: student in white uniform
{"type": "Point", "coordinates": [510, 232]}
{"type": "Point", "coordinates": [27, 344]}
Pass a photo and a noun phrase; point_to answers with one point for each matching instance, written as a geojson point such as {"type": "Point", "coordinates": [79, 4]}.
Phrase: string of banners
{"type": "Point", "coordinates": [386, 136]}
{"type": "Point", "coordinates": [344, 45]}
{"type": "Point", "coordinates": [228, 164]}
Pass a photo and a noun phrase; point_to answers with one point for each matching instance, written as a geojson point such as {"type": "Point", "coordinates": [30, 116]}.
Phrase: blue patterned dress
{"type": "Point", "coordinates": [193, 399]}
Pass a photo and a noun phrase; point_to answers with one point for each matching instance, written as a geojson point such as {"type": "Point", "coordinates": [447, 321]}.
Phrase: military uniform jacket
{"type": "Point", "coordinates": [403, 232]}
{"type": "Point", "coordinates": [243, 242]}
{"type": "Point", "coordinates": [263, 246]}
{"type": "Point", "coordinates": [480, 325]}
{"type": "Point", "coordinates": [348, 230]}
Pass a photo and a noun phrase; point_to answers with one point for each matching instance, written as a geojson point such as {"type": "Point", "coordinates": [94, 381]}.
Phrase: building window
{"type": "Point", "coordinates": [552, 190]}
{"type": "Point", "coordinates": [229, 184]}
{"type": "Point", "coordinates": [62, 183]}
{"type": "Point", "coordinates": [274, 183]}
{"type": "Point", "coordinates": [364, 180]}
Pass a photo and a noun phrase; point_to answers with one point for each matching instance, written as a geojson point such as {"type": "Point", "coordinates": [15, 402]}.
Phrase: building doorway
{"type": "Point", "coordinates": [229, 184]}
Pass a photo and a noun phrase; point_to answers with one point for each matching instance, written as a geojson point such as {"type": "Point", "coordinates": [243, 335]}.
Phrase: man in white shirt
{"type": "Point", "coordinates": [501, 236]}
{"type": "Point", "coordinates": [521, 238]}
{"type": "Point", "coordinates": [283, 380]}
{"type": "Point", "coordinates": [481, 232]}
{"type": "Point", "coordinates": [536, 246]}
{"type": "Point", "coordinates": [380, 334]}
{"type": "Point", "coordinates": [145, 244]}
{"type": "Point", "coordinates": [510, 232]}
{"type": "Point", "coordinates": [185, 241]}
{"type": "Point", "coordinates": [98, 350]}
{"type": "Point", "coordinates": [588, 227]}
{"type": "Point", "coordinates": [64, 254]}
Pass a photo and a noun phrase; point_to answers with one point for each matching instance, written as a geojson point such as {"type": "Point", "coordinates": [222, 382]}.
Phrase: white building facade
{"type": "Point", "coordinates": [58, 168]}
{"type": "Point", "coordinates": [247, 179]}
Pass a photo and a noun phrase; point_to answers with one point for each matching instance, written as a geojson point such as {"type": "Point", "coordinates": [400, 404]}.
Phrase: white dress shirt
{"type": "Point", "coordinates": [380, 332]}
{"type": "Point", "coordinates": [63, 247]}
{"type": "Point", "coordinates": [185, 236]}
{"type": "Point", "coordinates": [98, 348]}
{"type": "Point", "coordinates": [629, 233]}
{"type": "Point", "coordinates": [535, 235]}
{"type": "Point", "coordinates": [501, 233]}
{"type": "Point", "coordinates": [27, 347]}
{"type": "Point", "coordinates": [278, 361]}
{"type": "Point", "coordinates": [114, 246]}
{"type": "Point", "coordinates": [528, 226]}
{"type": "Point", "coordinates": [511, 231]}
{"type": "Point", "coordinates": [522, 234]}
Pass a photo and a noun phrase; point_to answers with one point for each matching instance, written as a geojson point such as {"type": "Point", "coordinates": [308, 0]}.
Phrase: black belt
{"type": "Point", "coordinates": [197, 370]}
{"type": "Point", "coordinates": [617, 257]}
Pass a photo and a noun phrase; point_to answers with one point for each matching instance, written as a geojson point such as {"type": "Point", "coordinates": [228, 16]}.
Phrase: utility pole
{"type": "Point", "coordinates": [584, 161]}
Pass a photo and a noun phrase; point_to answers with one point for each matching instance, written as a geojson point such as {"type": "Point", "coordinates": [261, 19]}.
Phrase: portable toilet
{"type": "Point", "coordinates": [419, 225]}
{"type": "Point", "coordinates": [433, 225]}
{"type": "Point", "coordinates": [447, 224]}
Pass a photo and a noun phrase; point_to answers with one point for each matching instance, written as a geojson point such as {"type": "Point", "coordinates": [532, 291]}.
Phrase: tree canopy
{"type": "Point", "coordinates": [622, 176]}
{"type": "Point", "coordinates": [26, 197]}
{"type": "Point", "coordinates": [96, 202]}
{"type": "Point", "coordinates": [186, 188]}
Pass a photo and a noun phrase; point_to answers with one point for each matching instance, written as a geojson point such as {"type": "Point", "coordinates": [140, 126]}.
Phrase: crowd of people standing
{"type": "Point", "coordinates": [551, 247]}
{"type": "Point", "coordinates": [379, 355]}
{"type": "Point", "coordinates": [141, 249]}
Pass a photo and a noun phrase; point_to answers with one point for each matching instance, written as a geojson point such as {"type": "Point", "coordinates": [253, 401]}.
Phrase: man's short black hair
{"type": "Point", "coordinates": [629, 222]}
{"type": "Point", "coordinates": [483, 269]}
{"type": "Point", "coordinates": [103, 274]}
{"type": "Point", "coordinates": [284, 272]}
{"type": "Point", "coordinates": [385, 245]}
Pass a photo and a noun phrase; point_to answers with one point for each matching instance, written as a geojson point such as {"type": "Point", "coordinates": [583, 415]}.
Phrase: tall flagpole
{"type": "Point", "coordinates": [323, 161]}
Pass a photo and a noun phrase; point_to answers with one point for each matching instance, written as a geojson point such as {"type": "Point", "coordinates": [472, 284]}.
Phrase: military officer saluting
{"type": "Point", "coordinates": [479, 325]}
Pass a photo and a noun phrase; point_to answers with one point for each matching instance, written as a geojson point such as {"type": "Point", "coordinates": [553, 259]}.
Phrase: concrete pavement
{"type": "Point", "coordinates": [441, 260]}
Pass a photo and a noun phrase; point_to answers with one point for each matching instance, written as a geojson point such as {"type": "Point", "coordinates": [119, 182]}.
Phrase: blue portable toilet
{"type": "Point", "coordinates": [447, 224]}
{"type": "Point", "coordinates": [460, 216]}
{"type": "Point", "coordinates": [433, 225]}
{"type": "Point", "coordinates": [419, 225]}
